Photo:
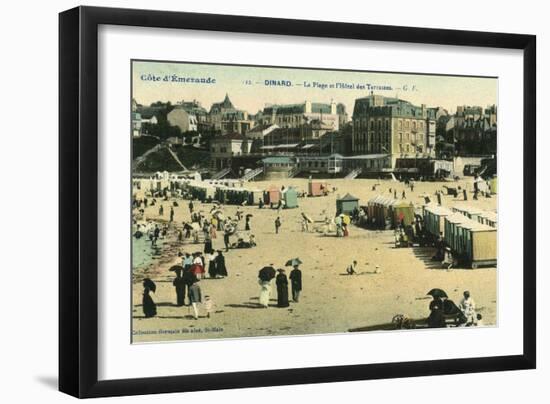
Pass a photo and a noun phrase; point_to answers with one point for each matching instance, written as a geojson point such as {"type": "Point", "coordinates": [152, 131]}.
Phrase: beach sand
{"type": "Point", "coordinates": [331, 302]}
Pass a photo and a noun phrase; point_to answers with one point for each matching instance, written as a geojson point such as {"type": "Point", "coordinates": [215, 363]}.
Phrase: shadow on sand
{"type": "Point", "coordinates": [248, 305]}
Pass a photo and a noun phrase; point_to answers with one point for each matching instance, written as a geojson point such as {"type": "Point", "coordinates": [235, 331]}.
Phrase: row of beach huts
{"type": "Point", "coordinates": [469, 232]}
{"type": "Point", "coordinates": [230, 192]}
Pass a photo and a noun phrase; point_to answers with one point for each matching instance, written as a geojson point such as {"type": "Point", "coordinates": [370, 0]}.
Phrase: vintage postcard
{"type": "Point", "coordinates": [280, 201]}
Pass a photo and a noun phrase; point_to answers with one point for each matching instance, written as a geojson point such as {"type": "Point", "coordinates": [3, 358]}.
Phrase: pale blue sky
{"type": "Point", "coordinates": [445, 91]}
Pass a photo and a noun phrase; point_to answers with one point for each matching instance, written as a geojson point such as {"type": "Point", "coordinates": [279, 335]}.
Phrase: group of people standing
{"type": "Point", "coordinates": [281, 282]}
{"type": "Point", "coordinates": [463, 315]}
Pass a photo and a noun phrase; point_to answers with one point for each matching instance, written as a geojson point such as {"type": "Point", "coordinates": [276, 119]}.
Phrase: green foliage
{"type": "Point", "coordinates": [162, 129]}
{"type": "Point", "coordinates": [192, 157]}
{"type": "Point", "coordinates": [141, 144]}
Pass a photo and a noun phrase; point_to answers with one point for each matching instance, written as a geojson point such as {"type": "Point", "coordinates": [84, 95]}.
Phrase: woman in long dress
{"type": "Point", "coordinates": [212, 271]}
{"type": "Point", "coordinates": [148, 305]}
{"type": "Point", "coordinates": [265, 291]}
{"type": "Point", "coordinates": [197, 268]}
{"type": "Point", "coordinates": [282, 289]}
{"type": "Point", "coordinates": [208, 245]}
{"type": "Point", "coordinates": [221, 269]}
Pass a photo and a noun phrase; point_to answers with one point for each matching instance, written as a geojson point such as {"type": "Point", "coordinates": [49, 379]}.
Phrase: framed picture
{"type": "Point", "coordinates": [250, 201]}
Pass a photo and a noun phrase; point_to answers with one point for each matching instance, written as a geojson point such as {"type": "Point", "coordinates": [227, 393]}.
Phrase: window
{"type": "Point", "coordinates": [400, 124]}
{"type": "Point", "coordinates": [407, 124]}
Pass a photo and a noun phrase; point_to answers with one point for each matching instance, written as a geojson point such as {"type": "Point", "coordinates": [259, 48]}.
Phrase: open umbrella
{"type": "Point", "coordinates": [293, 262]}
{"type": "Point", "coordinates": [148, 283]}
{"type": "Point", "coordinates": [266, 273]}
{"type": "Point", "coordinates": [176, 269]}
{"type": "Point", "coordinates": [249, 215]}
{"type": "Point", "coordinates": [437, 293]}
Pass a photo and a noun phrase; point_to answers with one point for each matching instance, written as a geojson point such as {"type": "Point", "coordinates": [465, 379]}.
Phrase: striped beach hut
{"type": "Point", "coordinates": [434, 218]}
{"type": "Point", "coordinates": [470, 212]}
{"type": "Point", "coordinates": [451, 235]}
{"type": "Point", "coordinates": [488, 218]}
{"type": "Point", "coordinates": [477, 244]}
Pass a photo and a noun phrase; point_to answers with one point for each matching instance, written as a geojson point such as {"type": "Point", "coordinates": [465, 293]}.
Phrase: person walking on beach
{"type": "Point", "coordinates": [161, 210]}
{"type": "Point", "coordinates": [296, 283]}
{"type": "Point", "coordinates": [148, 305]}
{"type": "Point", "coordinates": [226, 234]}
{"type": "Point", "coordinates": [198, 267]}
{"type": "Point", "coordinates": [468, 307]}
{"type": "Point", "coordinates": [265, 292]}
{"type": "Point", "coordinates": [403, 195]}
{"type": "Point", "coordinates": [212, 270]}
{"type": "Point", "coordinates": [208, 249]}
{"type": "Point", "coordinates": [156, 234]}
{"type": "Point", "coordinates": [221, 269]}
{"type": "Point", "coordinates": [187, 262]}
{"type": "Point", "coordinates": [277, 224]}
{"type": "Point", "coordinates": [195, 297]}
{"type": "Point", "coordinates": [247, 223]}
{"type": "Point", "coordinates": [209, 305]}
{"type": "Point", "coordinates": [180, 286]}
{"type": "Point", "coordinates": [282, 288]}
{"type": "Point", "coordinates": [171, 214]}
{"type": "Point", "coordinates": [191, 206]}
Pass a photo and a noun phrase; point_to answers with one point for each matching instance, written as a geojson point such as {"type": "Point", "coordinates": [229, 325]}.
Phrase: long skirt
{"type": "Point", "coordinates": [197, 270]}
{"type": "Point", "coordinates": [265, 292]}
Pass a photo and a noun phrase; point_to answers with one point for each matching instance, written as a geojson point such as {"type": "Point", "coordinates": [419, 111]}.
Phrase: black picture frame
{"type": "Point", "coordinates": [78, 206]}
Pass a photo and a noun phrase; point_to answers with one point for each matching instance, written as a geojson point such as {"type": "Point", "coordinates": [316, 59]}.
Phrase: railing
{"type": "Point", "coordinates": [353, 174]}
{"type": "Point", "coordinates": [252, 174]}
{"type": "Point", "coordinates": [220, 174]}
{"type": "Point", "coordinates": [294, 172]}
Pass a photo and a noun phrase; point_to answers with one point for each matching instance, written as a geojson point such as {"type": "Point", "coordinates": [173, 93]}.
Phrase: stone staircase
{"type": "Point", "coordinates": [353, 174]}
{"type": "Point", "coordinates": [252, 174]}
{"type": "Point", "coordinates": [220, 174]}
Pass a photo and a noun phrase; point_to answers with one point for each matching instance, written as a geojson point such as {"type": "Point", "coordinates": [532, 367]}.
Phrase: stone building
{"type": "Point", "coordinates": [226, 119]}
{"type": "Point", "coordinates": [392, 126]}
{"type": "Point", "coordinates": [225, 147]}
{"type": "Point", "coordinates": [183, 119]}
{"type": "Point", "coordinates": [297, 115]}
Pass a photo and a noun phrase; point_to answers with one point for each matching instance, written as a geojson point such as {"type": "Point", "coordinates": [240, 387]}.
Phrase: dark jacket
{"type": "Point", "coordinates": [296, 279]}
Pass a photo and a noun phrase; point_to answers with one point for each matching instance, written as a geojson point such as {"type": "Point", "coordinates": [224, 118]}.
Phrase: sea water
{"type": "Point", "coordinates": [143, 252]}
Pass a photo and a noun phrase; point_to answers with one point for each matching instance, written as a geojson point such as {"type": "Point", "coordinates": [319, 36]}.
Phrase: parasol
{"type": "Point", "coordinates": [177, 269]}
{"type": "Point", "coordinates": [149, 284]}
{"type": "Point", "coordinates": [437, 293]}
{"type": "Point", "coordinates": [293, 262]}
{"type": "Point", "coordinates": [266, 273]}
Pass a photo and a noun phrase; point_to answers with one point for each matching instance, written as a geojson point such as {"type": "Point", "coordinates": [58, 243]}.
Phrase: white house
{"type": "Point", "coordinates": [184, 120]}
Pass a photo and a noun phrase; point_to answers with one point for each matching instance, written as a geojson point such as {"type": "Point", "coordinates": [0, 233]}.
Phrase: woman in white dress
{"type": "Point", "coordinates": [265, 291]}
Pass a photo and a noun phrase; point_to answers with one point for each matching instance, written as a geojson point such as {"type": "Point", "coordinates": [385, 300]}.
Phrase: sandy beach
{"type": "Point", "coordinates": [331, 301]}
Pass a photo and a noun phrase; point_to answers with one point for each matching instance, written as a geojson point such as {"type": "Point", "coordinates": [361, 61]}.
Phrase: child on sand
{"type": "Point", "coordinates": [352, 269]}
{"type": "Point", "coordinates": [208, 305]}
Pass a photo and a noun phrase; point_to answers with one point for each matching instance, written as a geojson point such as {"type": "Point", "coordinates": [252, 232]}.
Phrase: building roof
{"type": "Point", "coordinates": [378, 105]}
{"type": "Point", "coordinates": [278, 160]}
{"type": "Point", "coordinates": [230, 136]}
{"type": "Point", "coordinates": [348, 197]}
{"type": "Point", "coordinates": [225, 104]}
{"type": "Point", "coordinates": [262, 127]}
{"type": "Point", "coordinates": [283, 109]}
